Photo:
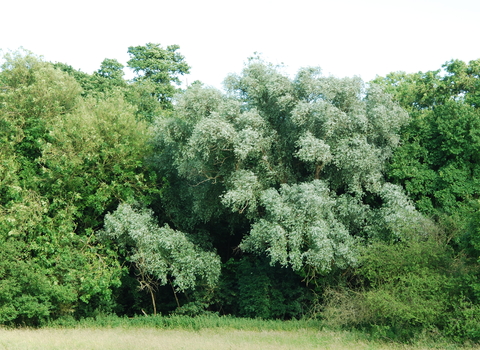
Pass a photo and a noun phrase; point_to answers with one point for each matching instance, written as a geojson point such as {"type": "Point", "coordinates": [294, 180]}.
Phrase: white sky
{"type": "Point", "coordinates": [343, 37]}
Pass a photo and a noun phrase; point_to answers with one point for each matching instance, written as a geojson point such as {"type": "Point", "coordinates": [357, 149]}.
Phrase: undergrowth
{"type": "Point", "coordinates": [184, 322]}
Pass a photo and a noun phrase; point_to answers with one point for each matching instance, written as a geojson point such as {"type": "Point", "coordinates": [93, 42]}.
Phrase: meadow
{"type": "Point", "coordinates": [180, 332]}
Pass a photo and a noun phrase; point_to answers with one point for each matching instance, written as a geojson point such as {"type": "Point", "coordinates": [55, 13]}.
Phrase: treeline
{"type": "Point", "coordinates": [279, 198]}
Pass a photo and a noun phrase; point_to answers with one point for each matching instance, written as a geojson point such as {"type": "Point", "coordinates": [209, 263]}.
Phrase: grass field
{"type": "Point", "coordinates": [152, 338]}
{"type": "Point", "coordinates": [191, 333]}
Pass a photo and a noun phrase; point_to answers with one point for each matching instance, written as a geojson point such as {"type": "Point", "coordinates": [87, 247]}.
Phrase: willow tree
{"type": "Point", "coordinates": [302, 161]}
{"type": "Point", "coordinates": [161, 255]}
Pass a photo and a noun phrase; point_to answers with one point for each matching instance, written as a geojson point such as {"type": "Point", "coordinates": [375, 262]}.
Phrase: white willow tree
{"type": "Point", "coordinates": [302, 160]}
{"type": "Point", "coordinates": [161, 255]}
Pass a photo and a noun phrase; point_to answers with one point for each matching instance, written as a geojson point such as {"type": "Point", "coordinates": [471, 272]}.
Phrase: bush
{"type": "Point", "coordinates": [409, 288]}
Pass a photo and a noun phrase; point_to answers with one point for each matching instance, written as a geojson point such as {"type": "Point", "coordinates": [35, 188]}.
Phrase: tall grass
{"type": "Point", "coordinates": [185, 323]}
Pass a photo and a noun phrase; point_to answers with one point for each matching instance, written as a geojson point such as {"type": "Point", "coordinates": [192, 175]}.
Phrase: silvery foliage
{"type": "Point", "coordinates": [161, 251]}
{"type": "Point", "coordinates": [303, 159]}
{"type": "Point", "coordinates": [300, 228]}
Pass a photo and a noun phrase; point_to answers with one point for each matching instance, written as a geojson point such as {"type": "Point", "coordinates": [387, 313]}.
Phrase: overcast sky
{"type": "Point", "coordinates": [343, 37]}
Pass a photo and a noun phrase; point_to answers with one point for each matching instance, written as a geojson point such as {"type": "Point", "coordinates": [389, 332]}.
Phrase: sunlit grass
{"type": "Point", "coordinates": [154, 338]}
{"type": "Point", "coordinates": [181, 332]}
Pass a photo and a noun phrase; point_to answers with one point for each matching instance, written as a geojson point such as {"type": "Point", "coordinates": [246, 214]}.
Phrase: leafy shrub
{"type": "Point", "coordinates": [408, 288]}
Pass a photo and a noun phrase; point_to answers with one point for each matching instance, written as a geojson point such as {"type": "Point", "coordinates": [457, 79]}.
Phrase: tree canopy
{"type": "Point", "coordinates": [302, 160]}
{"type": "Point", "coordinates": [279, 197]}
{"type": "Point", "coordinates": [438, 162]}
{"type": "Point", "coordinates": [158, 67]}
{"type": "Point", "coordinates": [65, 161]}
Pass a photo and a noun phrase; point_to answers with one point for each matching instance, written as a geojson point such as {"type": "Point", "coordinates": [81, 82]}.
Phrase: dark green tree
{"type": "Point", "coordinates": [160, 67]}
{"type": "Point", "coordinates": [438, 162]}
{"type": "Point", "coordinates": [108, 78]}
{"type": "Point", "coordinates": [111, 69]}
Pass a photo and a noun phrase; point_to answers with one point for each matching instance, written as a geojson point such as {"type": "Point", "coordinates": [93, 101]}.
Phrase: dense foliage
{"type": "Point", "coordinates": [65, 162]}
{"type": "Point", "coordinates": [299, 163]}
{"type": "Point", "coordinates": [278, 198]}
